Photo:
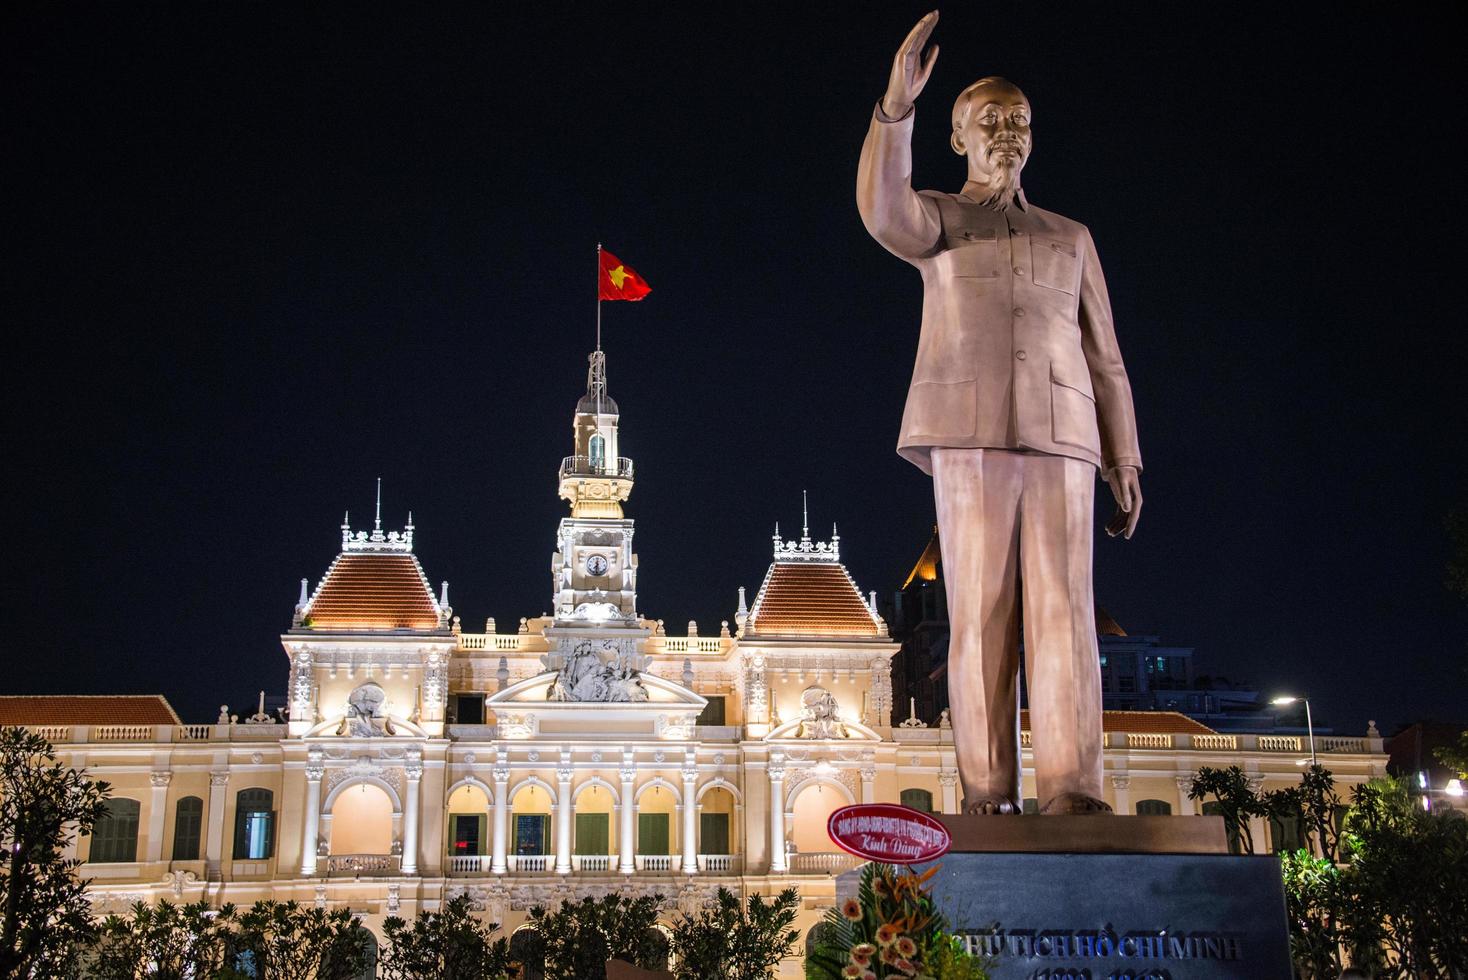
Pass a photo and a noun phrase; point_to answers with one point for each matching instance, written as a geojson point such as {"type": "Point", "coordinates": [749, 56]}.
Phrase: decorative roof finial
{"type": "Point", "coordinates": [804, 517]}
{"type": "Point", "coordinates": [377, 520]}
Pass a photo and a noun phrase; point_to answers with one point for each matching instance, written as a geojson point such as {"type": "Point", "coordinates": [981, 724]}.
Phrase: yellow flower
{"type": "Point", "coordinates": [886, 934]}
{"type": "Point", "coordinates": [907, 947]}
{"type": "Point", "coordinates": [851, 909]}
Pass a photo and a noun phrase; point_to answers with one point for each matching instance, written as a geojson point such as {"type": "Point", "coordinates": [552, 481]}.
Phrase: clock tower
{"type": "Point", "coordinates": [594, 569]}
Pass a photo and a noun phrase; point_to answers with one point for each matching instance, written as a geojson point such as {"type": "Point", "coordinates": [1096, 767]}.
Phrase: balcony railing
{"type": "Point", "coordinates": [469, 864]}
{"type": "Point", "coordinates": [530, 863]}
{"type": "Point", "coordinates": [593, 862]}
{"type": "Point", "coordinates": [658, 862]}
{"type": "Point", "coordinates": [822, 862]}
{"type": "Point", "coordinates": [719, 863]}
{"type": "Point", "coordinates": [594, 466]}
{"type": "Point", "coordinates": [362, 865]}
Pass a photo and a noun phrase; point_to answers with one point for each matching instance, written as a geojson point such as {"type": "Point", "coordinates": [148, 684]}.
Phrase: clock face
{"type": "Point", "coordinates": [596, 565]}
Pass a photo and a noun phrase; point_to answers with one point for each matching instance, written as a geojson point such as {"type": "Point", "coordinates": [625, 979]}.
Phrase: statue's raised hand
{"type": "Point", "coordinates": [910, 69]}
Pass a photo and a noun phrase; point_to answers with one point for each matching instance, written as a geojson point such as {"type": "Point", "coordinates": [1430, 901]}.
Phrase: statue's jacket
{"type": "Point", "coordinates": [1017, 349]}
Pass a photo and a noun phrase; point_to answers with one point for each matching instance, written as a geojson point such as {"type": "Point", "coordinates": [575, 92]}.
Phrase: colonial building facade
{"type": "Point", "coordinates": [582, 752]}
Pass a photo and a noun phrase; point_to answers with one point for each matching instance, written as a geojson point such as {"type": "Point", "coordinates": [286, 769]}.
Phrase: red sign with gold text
{"type": "Point", "coordinates": [888, 833]}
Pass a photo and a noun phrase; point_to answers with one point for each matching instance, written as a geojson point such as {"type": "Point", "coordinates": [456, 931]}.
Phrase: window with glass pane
{"type": "Point", "coordinates": [469, 834]}
{"type": "Point", "coordinates": [469, 709]}
{"type": "Point", "coordinates": [115, 834]}
{"type": "Point", "coordinates": [254, 825]}
{"type": "Point", "coordinates": [918, 799]}
{"type": "Point", "coordinates": [530, 833]}
{"type": "Point", "coordinates": [713, 712]}
{"type": "Point", "coordinates": [1285, 834]}
{"type": "Point", "coordinates": [1153, 808]}
{"type": "Point", "coordinates": [592, 833]}
{"type": "Point", "coordinates": [188, 822]}
{"type": "Point", "coordinates": [713, 835]}
{"type": "Point", "coordinates": [652, 833]}
{"type": "Point", "coordinates": [598, 451]}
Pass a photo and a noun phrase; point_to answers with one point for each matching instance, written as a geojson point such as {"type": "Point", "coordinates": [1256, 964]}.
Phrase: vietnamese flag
{"type": "Point", "coordinates": [617, 280]}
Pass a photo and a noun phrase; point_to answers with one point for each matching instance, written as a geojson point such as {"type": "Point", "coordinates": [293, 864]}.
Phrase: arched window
{"type": "Point", "coordinates": [597, 450]}
{"type": "Point", "coordinates": [1154, 808]}
{"type": "Point", "coordinates": [918, 799]}
{"type": "Point", "coordinates": [526, 949]}
{"type": "Point", "coordinates": [188, 822]}
{"type": "Point", "coordinates": [115, 834]}
{"type": "Point", "coordinates": [254, 825]}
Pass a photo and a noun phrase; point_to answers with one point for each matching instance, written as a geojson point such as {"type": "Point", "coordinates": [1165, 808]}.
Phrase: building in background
{"type": "Point", "coordinates": [1138, 673]}
{"type": "Point", "coordinates": [576, 753]}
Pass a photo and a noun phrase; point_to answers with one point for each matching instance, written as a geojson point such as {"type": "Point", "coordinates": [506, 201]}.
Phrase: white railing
{"type": "Point", "coordinates": [52, 733]}
{"type": "Point", "coordinates": [822, 863]}
{"type": "Point", "coordinates": [1279, 743]}
{"type": "Point", "coordinates": [529, 863]}
{"type": "Point", "coordinates": [123, 733]}
{"type": "Point", "coordinates": [196, 733]}
{"type": "Point", "coordinates": [1025, 740]}
{"type": "Point", "coordinates": [719, 863]}
{"type": "Point", "coordinates": [504, 642]}
{"type": "Point", "coordinates": [1215, 742]}
{"type": "Point", "coordinates": [686, 644]}
{"type": "Point", "coordinates": [658, 862]}
{"type": "Point", "coordinates": [1148, 740]}
{"type": "Point", "coordinates": [362, 864]}
{"type": "Point", "coordinates": [618, 469]}
{"type": "Point", "coordinates": [1336, 743]}
{"type": "Point", "coordinates": [593, 862]}
{"type": "Point", "coordinates": [468, 864]}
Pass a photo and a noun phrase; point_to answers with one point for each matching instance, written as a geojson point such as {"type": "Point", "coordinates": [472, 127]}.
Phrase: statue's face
{"type": "Point", "coordinates": [993, 131]}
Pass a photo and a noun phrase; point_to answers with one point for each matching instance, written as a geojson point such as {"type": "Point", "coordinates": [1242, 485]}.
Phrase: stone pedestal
{"type": "Point", "coordinates": [1108, 898]}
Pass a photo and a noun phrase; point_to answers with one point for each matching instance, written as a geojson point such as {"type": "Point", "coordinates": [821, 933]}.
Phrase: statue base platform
{"type": "Point", "coordinates": [1092, 833]}
{"type": "Point", "coordinates": [1106, 897]}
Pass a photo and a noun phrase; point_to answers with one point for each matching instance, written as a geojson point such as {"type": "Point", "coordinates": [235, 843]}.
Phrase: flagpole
{"type": "Point", "coordinates": [598, 296]}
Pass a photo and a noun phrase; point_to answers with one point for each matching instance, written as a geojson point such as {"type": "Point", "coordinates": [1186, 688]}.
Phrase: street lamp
{"type": "Point", "coordinates": [1309, 724]}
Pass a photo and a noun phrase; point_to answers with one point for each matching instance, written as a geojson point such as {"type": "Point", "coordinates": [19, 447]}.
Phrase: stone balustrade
{"type": "Point", "coordinates": [363, 865]}
{"type": "Point", "coordinates": [822, 862]}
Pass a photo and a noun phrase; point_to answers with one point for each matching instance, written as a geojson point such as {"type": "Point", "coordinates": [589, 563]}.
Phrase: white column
{"type": "Point", "coordinates": [778, 864]}
{"type": "Point", "coordinates": [628, 846]}
{"type": "Point", "coordinates": [1121, 785]}
{"type": "Point", "coordinates": [1184, 801]}
{"type": "Point", "coordinates": [214, 847]}
{"type": "Point", "coordinates": [157, 809]}
{"type": "Point", "coordinates": [497, 852]}
{"type": "Point", "coordinates": [690, 813]}
{"type": "Point", "coordinates": [563, 821]}
{"type": "Point", "coordinates": [948, 779]}
{"type": "Point", "coordinates": [869, 785]}
{"type": "Point", "coordinates": [311, 828]}
{"type": "Point", "coordinates": [414, 771]}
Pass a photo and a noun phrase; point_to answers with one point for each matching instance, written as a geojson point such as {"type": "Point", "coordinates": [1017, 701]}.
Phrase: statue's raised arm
{"type": "Point", "coordinates": [910, 69]}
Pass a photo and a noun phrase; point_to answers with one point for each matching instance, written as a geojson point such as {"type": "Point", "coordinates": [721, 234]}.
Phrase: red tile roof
{"type": "Point", "coordinates": [86, 709]}
{"type": "Point", "coordinates": [373, 592]}
{"type": "Point", "coordinates": [1142, 723]}
{"type": "Point", "coordinates": [812, 598]}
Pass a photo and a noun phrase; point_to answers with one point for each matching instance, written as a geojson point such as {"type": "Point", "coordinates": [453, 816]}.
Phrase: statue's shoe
{"type": "Point", "coordinates": [989, 805]}
{"type": "Point", "coordinates": [1074, 803]}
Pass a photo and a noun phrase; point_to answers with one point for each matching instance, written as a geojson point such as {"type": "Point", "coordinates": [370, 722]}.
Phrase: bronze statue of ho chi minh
{"type": "Point", "coordinates": [1018, 396]}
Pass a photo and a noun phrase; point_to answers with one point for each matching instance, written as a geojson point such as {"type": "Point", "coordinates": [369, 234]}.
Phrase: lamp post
{"type": "Point", "coordinates": [1309, 724]}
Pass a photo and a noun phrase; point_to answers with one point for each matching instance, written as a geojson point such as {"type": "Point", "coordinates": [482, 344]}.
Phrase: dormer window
{"type": "Point", "coordinates": [597, 451]}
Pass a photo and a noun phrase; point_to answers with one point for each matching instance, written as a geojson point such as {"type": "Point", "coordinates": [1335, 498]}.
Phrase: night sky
{"type": "Point", "coordinates": [259, 256]}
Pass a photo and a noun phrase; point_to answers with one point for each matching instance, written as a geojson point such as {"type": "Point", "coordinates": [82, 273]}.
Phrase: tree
{"type": "Point", "coordinates": [727, 941]}
{"type": "Point", "coordinates": [577, 939]}
{"type": "Point", "coordinates": [1406, 873]}
{"type": "Point", "coordinates": [1312, 805]}
{"type": "Point", "coordinates": [447, 945]}
{"type": "Point", "coordinates": [1455, 757]}
{"type": "Point", "coordinates": [1237, 801]}
{"type": "Point", "coordinates": [166, 942]}
{"type": "Point", "coordinates": [45, 917]}
{"type": "Point", "coordinates": [287, 941]}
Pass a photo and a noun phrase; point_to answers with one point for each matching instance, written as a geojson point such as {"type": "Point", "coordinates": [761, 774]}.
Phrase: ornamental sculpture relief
{"type": "Point", "coordinates": [365, 717]}
{"type": "Point", "coordinates": [584, 676]}
{"type": "Point", "coordinates": [819, 714]}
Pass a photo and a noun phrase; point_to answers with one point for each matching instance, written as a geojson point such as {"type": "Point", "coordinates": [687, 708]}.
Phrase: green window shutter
{"type": "Point", "coordinates": [115, 834]}
{"type": "Point", "coordinates": [713, 836]}
{"type": "Point", "coordinates": [1154, 808]}
{"type": "Point", "coordinates": [188, 821]}
{"type": "Point", "coordinates": [483, 819]}
{"type": "Point", "coordinates": [269, 835]}
{"type": "Point", "coordinates": [918, 799]}
{"type": "Point", "coordinates": [652, 833]}
{"type": "Point", "coordinates": [592, 833]}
